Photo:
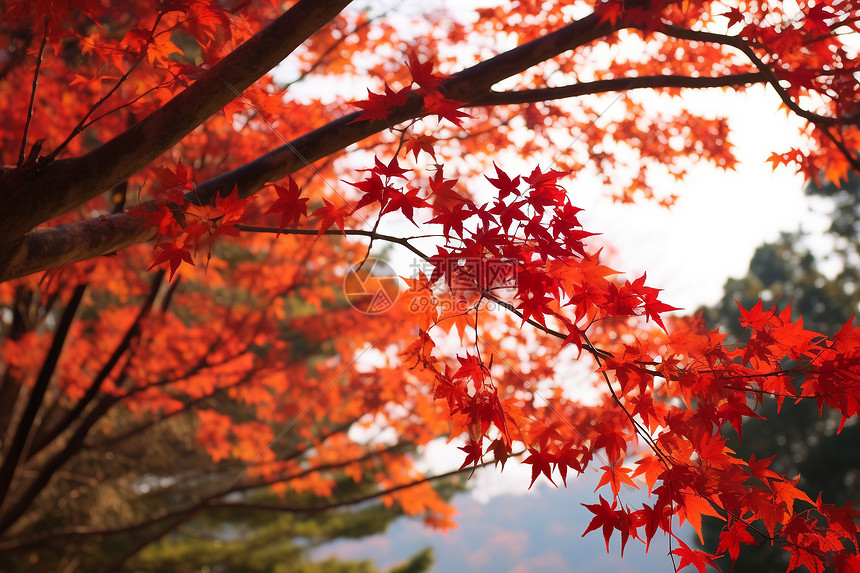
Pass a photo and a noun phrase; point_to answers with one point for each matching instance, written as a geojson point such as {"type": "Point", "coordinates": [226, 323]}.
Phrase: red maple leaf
{"type": "Point", "coordinates": [422, 73]}
{"type": "Point", "coordinates": [451, 219]}
{"type": "Point", "coordinates": [545, 189]}
{"type": "Point", "coordinates": [444, 108]}
{"type": "Point", "coordinates": [288, 204]}
{"type": "Point", "coordinates": [158, 215]}
{"type": "Point", "coordinates": [605, 517]}
{"type": "Point", "coordinates": [405, 203]}
{"type": "Point", "coordinates": [504, 184]}
{"type": "Point", "coordinates": [170, 180]}
{"type": "Point", "coordinates": [501, 452]}
{"type": "Point", "coordinates": [474, 454]}
{"type": "Point", "coordinates": [379, 106]}
{"type": "Point", "coordinates": [610, 12]}
{"type": "Point", "coordinates": [174, 253]}
{"type": "Point", "coordinates": [329, 215]}
{"type": "Point", "coordinates": [756, 317]}
{"type": "Point", "coordinates": [613, 440]}
{"type": "Point", "coordinates": [615, 475]}
{"type": "Point", "coordinates": [374, 191]}
{"type": "Point", "coordinates": [393, 168]}
{"type": "Point", "coordinates": [420, 143]}
{"type": "Point", "coordinates": [541, 464]}
{"type": "Point", "coordinates": [653, 518]}
{"type": "Point", "coordinates": [232, 206]}
{"type": "Point", "coordinates": [442, 192]}
{"type": "Point", "coordinates": [732, 537]}
{"type": "Point", "coordinates": [569, 457]}
{"type": "Point", "coordinates": [801, 556]}
{"type": "Point", "coordinates": [648, 297]}
{"type": "Point", "coordinates": [699, 559]}
{"type": "Point", "coordinates": [734, 16]}
{"type": "Point", "coordinates": [760, 469]}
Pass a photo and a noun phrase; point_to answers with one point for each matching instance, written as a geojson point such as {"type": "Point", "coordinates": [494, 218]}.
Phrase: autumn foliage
{"type": "Point", "coordinates": [178, 223]}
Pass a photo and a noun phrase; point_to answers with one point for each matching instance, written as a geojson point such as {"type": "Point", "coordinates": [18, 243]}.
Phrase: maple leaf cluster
{"type": "Point", "coordinates": [429, 82]}
{"type": "Point", "coordinates": [690, 471]}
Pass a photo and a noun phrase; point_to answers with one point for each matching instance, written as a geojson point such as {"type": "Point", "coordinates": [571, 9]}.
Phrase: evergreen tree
{"type": "Point", "coordinates": [810, 445]}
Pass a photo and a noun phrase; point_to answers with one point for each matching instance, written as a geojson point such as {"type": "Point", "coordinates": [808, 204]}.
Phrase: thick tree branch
{"type": "Point", "coordinates": [65, 184]}
{"type": "Point", "coordinates": [46, 248]}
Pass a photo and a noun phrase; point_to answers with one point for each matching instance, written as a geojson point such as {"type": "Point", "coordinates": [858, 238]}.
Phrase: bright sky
{"type": "Point", "coordinates": [721, 217]}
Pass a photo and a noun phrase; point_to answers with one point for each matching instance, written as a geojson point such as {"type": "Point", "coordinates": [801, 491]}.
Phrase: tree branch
{"type": "Point", "coordinates": [48, 435]}
{"type": "Point", "coordinates": [21, 153]}
{"type": "Point", "coordinates": [150, 539]}
{"type": "Point", "coordinates": [45, 248]}
{"type": "Point", "coordinates": [210, 502]}
{"type": "Point", "coordinates": [65, 184]}
{"type": "Point", "coordinates": [37, 394]}
{"type": "Point", "coordinates": [615, 85]}
{"type": "Point", "coordinates": [772, 79]}
{"type": "Point", "coordinates": [337, 504]}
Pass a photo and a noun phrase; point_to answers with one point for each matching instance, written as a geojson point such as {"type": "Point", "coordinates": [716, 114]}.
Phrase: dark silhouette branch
{"type": "Point", "coordinates": [83, 123]}
{"type": "Point", "coordinates": [48, 435]}
{"type": "Point", "coordinates": [280, 507]}
{"type": "Point", "coordinates": [770, 75]}
{"type": "Point", "coordinates": [37, 395]}
{"type": "Point", "coordinates": [31, 105]}
{"type": "Point", "coordinates": [212, 501]}
{"type": "Point", "coordinates": [618, 84]}
{"type": "Point", "coordinates": [150, 539]}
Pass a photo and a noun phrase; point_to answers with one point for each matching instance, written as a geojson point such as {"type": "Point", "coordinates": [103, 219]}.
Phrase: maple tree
{"type": "Point", "coordinates": [195, 219]}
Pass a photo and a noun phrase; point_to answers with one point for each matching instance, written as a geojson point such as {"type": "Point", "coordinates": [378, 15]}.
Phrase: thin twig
{"type": "Point", "coordinates": [83, 123]}
{"type": "Point", "coordinates": [32, 97]}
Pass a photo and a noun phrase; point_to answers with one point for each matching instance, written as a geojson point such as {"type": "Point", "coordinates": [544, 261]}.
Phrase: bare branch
{"type": "Point", "coordinates": [211, 502]}
{"type": "Point", "coordinates": [83, 123]}
{"type": "Point", "coordinates": [46, 436]}
{"type": "Point", "coordinates": [32, 103]}
{"type": "Point", "coordinates": [23, 431]}
{"type": "Point", "coordinates": [771, 77]}
{"type": "Point", "coordinates": [616, 85]}
{"type": "Point", "coordinates": [281, 507]}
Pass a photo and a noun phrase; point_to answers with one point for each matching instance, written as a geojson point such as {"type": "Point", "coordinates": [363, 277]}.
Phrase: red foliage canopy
{"type": "Point", "coordinates": [150, 136]}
